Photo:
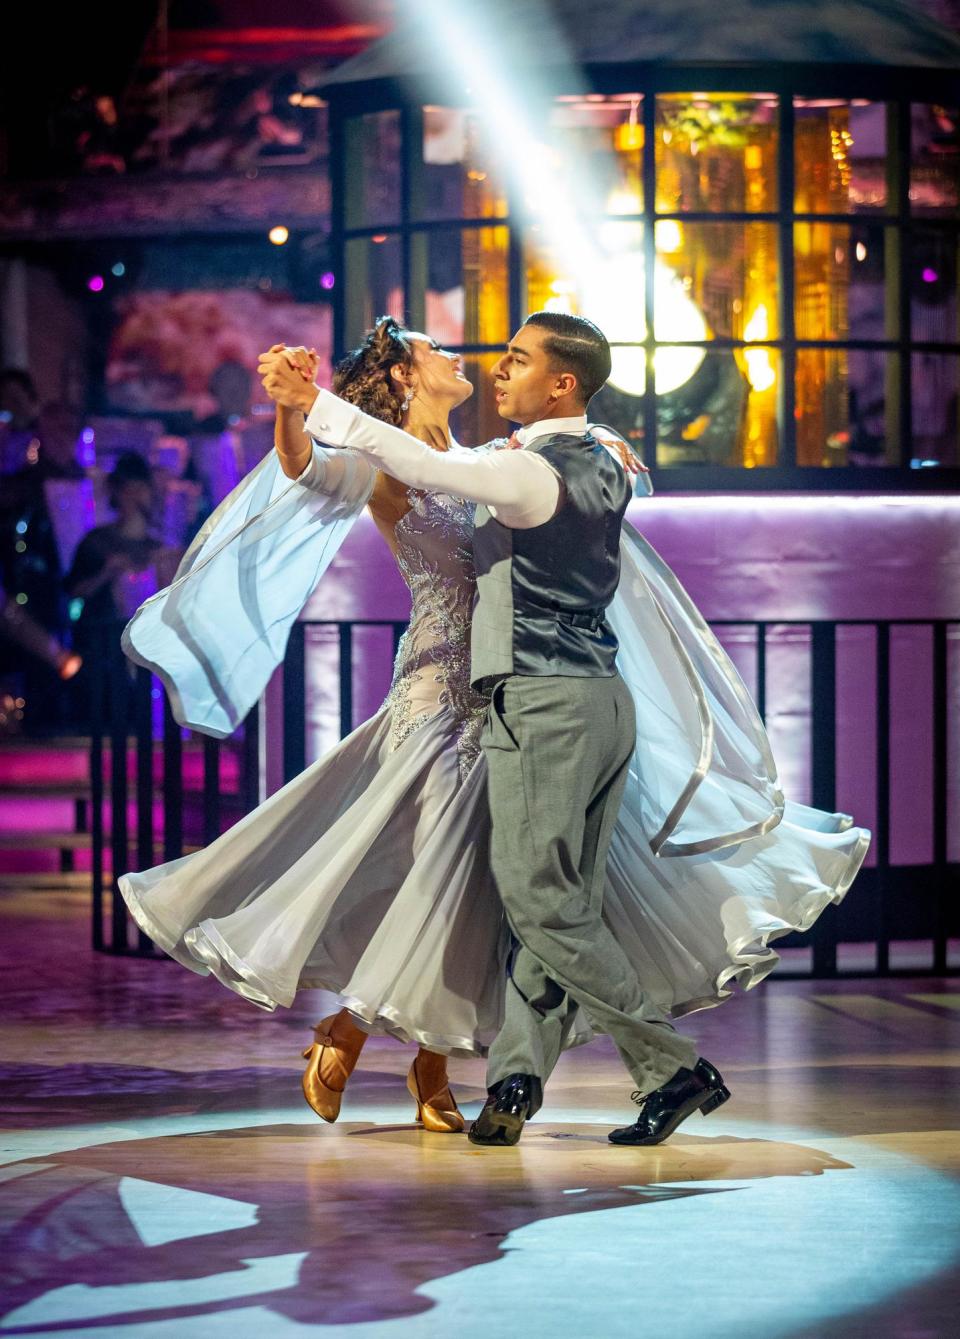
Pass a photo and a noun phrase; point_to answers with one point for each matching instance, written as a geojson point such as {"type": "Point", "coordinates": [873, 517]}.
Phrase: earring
{"type": "Point", "coordinates": [407, 400]}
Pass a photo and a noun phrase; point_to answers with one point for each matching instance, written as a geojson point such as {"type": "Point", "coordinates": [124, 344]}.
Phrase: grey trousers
{"type": "Point", "coordinates": [558, 752]}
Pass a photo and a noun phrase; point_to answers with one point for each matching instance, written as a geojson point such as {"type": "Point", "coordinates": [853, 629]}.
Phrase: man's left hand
{"type": "Point", "coordinates": [284, 381]}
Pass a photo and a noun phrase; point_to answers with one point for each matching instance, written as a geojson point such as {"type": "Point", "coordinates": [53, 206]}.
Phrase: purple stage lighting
{"type": "Point", "coordinates": [95, 283]}
{"type": "Point", "coordinates": [327, 280]}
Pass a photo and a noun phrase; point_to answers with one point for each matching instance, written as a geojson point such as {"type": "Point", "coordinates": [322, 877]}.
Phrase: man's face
{"type": "Point", "coordinates": [526, 386]}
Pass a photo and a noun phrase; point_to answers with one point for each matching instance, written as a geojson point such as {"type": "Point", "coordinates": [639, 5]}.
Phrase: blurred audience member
{"type": "Point", "coordinates": [216, 446]}
{"type": "Point", "coordinates": [87, 133]}
{"type": "Point", "coordinates": [115, 568]}
{"type": "Point", "coordinates": [180, 503]}
{"type": "Point", "coordinates": [19, 411]}
{"type": "Point", "coordinates": [30, 566]}
{"type": "Point", "coordinates": [29, 559]}
{"type": "Point", "coordinates": [99, 143]}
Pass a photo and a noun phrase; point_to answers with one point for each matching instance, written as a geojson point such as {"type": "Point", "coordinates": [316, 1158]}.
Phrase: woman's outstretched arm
{"type": "Point", "coordinates": [294, 448]}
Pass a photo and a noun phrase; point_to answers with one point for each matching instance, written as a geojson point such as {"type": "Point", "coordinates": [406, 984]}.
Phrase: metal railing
{"type": "Point", "coordinates": [176, 807]}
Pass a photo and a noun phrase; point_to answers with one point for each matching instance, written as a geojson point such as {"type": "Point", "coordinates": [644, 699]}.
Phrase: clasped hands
{"type": "Point", "coordinates": [288, 376]}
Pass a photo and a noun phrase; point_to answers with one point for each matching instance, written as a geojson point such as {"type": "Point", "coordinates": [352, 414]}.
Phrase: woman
{"type": "Point", "coordinates": [383, 882]}
{"type": "Point", "coordinates": [368, 873]}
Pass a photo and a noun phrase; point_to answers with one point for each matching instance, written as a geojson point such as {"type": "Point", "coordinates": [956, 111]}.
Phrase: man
{"type": "Point", "coordinates": [561, 728]}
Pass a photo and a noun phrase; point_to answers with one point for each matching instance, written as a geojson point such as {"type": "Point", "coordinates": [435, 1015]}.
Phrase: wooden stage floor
{"type": "Point", "coordinates": [161, 1176]}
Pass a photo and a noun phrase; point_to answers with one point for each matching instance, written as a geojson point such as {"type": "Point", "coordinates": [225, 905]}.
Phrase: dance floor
{"type": "Point", "coordinates": [161, 1175]}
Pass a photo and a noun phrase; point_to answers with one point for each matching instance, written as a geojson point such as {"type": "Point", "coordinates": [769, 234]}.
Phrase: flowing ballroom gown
{"type": "Point", "coordinates": [367, 875]}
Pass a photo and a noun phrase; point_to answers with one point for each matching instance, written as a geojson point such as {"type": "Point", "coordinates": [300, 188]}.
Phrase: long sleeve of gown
{"type": "Point", "coordinates": [217, 632]}
{"type": "Point", "coordinates": [520, 488]}
{"type": "Point", "coordinates": [705, 771]}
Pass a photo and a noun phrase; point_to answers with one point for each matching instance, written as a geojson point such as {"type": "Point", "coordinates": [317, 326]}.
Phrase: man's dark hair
{"type": "Point", "coordinates": [575, 345]}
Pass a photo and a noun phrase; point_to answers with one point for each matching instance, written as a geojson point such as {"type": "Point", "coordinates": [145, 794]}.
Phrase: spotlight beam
{"type": "Point", "coordinates": [470, 52]}
{"type": "Point", "coordinates": [475, 50]}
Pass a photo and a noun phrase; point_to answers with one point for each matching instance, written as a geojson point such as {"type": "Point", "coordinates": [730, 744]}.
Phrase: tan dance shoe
{"type": "Point", "coordinates": [331, 1060]}
{"type": "Point", "coordinates": [439, 1112]}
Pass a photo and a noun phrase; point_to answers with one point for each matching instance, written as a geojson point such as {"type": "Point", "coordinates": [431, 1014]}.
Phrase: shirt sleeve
{"type": "Point", "coordinates": [521, 489]}
{"type": "Point", "coordinates": [346, 478]}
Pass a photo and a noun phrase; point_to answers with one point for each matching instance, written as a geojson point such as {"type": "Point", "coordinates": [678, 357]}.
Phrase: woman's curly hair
{"type": "Point", "coordinates": [363, 376]}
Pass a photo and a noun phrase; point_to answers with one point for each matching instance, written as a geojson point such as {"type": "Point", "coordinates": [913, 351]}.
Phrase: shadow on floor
{"type": "Point", "coordinates": [319, 1225]}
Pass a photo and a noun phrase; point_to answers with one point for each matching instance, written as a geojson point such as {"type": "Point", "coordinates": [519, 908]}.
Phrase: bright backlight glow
{"type": "Point", "coordinates": [615, 300]}
{"type": "Point", "coordinates": [760, 371]}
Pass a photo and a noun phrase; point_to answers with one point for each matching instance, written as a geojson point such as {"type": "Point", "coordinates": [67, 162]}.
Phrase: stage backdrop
{"type": "Point", "coordinates": [775, 557]}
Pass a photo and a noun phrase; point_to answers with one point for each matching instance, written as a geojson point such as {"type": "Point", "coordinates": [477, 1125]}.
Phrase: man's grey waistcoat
{"type": "Point", "coordinates": [542, 593]}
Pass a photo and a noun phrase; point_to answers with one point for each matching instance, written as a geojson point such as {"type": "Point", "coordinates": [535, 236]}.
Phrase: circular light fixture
{"type": "Point", "coordinates": [278, 234]}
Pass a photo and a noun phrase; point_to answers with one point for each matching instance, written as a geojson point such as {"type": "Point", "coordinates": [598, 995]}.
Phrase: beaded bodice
{"type": "Point", "coordinates": [432, 668]}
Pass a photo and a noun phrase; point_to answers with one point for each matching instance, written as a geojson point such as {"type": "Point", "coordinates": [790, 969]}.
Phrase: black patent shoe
{"type": "Point", "coordinates": [699, 1089]}
{"type": "Point", "coordinates": [511, 1102]}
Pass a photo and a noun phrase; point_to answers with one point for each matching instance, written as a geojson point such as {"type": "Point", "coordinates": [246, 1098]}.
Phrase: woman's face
{"type": "Point", "coordinates": [438, 374]}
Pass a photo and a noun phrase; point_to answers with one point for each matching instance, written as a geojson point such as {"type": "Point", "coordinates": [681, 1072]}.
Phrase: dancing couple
{"type": "Point", "coordinates": [541, 833]}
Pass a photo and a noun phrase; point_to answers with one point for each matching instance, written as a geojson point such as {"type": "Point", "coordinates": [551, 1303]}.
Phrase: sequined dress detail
{"type": "Point", "coordinates": [432, 668]}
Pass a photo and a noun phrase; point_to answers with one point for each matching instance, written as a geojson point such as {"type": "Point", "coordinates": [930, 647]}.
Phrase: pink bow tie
{"type": "Point", "coordinates": [514, 443]}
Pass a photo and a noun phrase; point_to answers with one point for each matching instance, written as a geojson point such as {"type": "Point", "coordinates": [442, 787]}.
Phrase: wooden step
{"type": "Point", "coordinates": [46, 880]}
{"type": "Point", "coordinates": [64, 841]}
{"type": "Point", "coordinates": [41, 786]}
{"type": "Point", "coordinates": [23, 744]}
{"type": "Point", "coordinates": [42, 841]}
{"type": "Point", "coordinates": [80, 789]}
{"type": "Point", "coordinates": [19, 744]}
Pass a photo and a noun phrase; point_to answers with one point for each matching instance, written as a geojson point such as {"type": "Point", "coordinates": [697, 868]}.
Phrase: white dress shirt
{"type": "Point", "coordinates": [546, 427]}
{"type": "Point", "coordinates": [520, 488]}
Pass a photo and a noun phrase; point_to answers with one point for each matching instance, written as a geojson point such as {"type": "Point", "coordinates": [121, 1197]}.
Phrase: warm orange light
{"type": "Point", "coordinates": [278, 234]}
{"type": "Point", "coordinates": [753, 157]}
{"type": "Point", "coordinates": [628, 137]}
{"type": "Point", "coordinates": [760, 371]}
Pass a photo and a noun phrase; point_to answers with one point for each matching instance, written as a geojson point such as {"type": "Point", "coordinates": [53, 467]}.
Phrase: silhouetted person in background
{"type": "Point", "coordinates": [30, 566]}
{"type": "Point", "coordinates": [19, 413]}
{"type": "Point", "coordinates": [115, 568]}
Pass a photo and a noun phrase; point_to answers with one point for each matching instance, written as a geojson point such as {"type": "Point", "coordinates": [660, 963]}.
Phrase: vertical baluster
{"type": "Point", "coordinates": [211, 789]}
{"type": "Point", "coordinates": [250, 765]}
{"type": "Point", "coordinates": [143, 717]}
{"type": "Point", "coordinates": [346, 679]}
{"type": "Point", "coordinates": [883, 795]}
{"type": "Point", "coordinates": [172, 786]}
{"type": "Point", "coordinates": [118, 709]}
{"type": "Point", "coordinates": [98, 694]}
{"type": "Point", "coordinates": [762, 671]}
{"type": "Point", "coordinates": [824, 767]}
{"type": "Point", "coordinates": [940, 795]}
{"type": "Point", "coordinates": [294, 704]}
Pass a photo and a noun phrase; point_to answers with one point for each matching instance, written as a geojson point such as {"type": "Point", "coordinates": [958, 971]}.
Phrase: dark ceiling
{"type": "Point", "coordinates": [47, 54]}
